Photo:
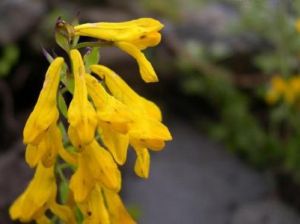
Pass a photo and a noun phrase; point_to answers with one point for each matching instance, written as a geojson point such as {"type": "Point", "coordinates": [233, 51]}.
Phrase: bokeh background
{"type": "Point", "coordinates": [229, 91]}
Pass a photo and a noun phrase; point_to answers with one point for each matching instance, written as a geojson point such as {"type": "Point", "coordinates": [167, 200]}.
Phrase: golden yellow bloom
{"type": "Point", "coordinates": [81, 114]}
{"type": "Point", "coordinates": [47, 149]}
{"type": "Point", "coordinates": [131, 37]}
{"type": "Point", "coordinates": [146, 126]}
{"type": "Point", "coordinates": [45, 111]}
{"type": "Point", "coordinates": [288, 90]}
{"type": "Point", "coordinates": [147, 71]}
{"type": "Point", "coordinates": [116, 209]}
{"type": "Point", "coordinates": [278, 89]}
{"type": "Point", "coordinates": [142, 163]}
{"type": "Point", "coordinates": [109, 110]}
{"type": "Point", "coordinates": [104, 118]}
{"type": "Point", "coordinates": [94, 209]}
{"type": "Point", "coordinates": [121, 91]}
{"type": "Point", "coordinates": [298, 25]}
{"type": "Point", "coordinates": [38, 197]}
{"type": "Point", "coordinates": [146, 130]}
{"type": "Point", "coordinates": [122, 31]}
{"type": "Point", "coordinates": [96, 165]}
{"type": "Point", "coordinates": [113, 120]}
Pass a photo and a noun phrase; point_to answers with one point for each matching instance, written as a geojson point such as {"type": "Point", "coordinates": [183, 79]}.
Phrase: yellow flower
{"type": "Point", "coordinates": [295, 85]}
{"type": "Point", "coordinates": [146, 130]}
{"type": "Point", "coordinates": [81, 114]}
{"type": "Point", "coordinates": [277, 90]}
{"type": "Point", "coordinates": [146, 126]}
{"type": "Point", "coordinates": [147, 71]}
{"type": "Point", "coordinates": [47, 149]}
{"type": "Point", "coordinates": [116, 209]}
{"type": "Point", "coordinates": [298, 25]}
{"type": "Point", "coordinates": [122, 31]}
{"type": "Point", "coordinates": [38, 197]}
{"type": "Point", "coordinates": [45, 111]}
{"type": "Point", "coordinates": [109, 110]}
{"type": "Point", "coordinates": [96, 165]}
{"type": "Point", "coordinates": [131, 37]}
{"type": "Point", "coordinates": [113, 120]}
{"type": "Point", "coordinates": [142, 163]}
{"type": "Point", "coordinates": [94, 209]}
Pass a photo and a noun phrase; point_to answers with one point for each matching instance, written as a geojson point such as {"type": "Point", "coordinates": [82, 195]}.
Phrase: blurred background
{"type": "Point", "coordinates": [229, 90]}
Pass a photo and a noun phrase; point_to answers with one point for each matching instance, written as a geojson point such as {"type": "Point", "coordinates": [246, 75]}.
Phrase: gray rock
{"type": "Point", "coordinates": [14, 177]}
{"type": "Point", "coordinates": [14, 174]}
{"type": "Point", "coordinates": [194, 181]}
{"type": "Point", "coordinates": [17, 17]}
{"type": "Point", "coordinates": [265, 212]}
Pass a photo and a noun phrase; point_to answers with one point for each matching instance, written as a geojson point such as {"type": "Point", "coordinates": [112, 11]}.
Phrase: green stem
{"type": "Point", "coordinates": [99, 43]}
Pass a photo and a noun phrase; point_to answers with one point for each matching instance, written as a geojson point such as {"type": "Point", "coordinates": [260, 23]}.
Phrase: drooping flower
{"type": "Point", "coordinates": [94, 209]}
{"type": "Point", "coordinates": [114, 119]}
{"type": "Point", "coordinates": [146, 130]}
{"type": "Point", "coordinates": [81, 114]}
{"type": "Point", "coordinates": [39, 196]}
{"type": "Point", "coordinates": [45, 111]}
{"type": "Point", "coordinates": [95, 165]}
{"type": "Point", "coordinates": [116, 209]}
{"type": "Point", "coordinates": [131, 37]}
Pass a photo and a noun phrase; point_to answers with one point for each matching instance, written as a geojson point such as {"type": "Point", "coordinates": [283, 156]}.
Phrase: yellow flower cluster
{"type": "Point", "coordinates": [105, 116]}
{"type": "Point", "coordinates": [287, 90]}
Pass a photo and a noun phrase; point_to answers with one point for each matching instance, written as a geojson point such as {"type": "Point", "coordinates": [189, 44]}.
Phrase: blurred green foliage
{"type": "Point", "coordinates": [9, 57]}
{"type": "Point", "coordinates": [267, 136]}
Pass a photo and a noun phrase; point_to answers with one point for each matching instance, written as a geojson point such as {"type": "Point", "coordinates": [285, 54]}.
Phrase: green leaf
{"type": "Point", "coordinates": [63, 191]}
{"type": "Point", "coordinates": [91, 57]}
{"type": "Point", "coordinates": [62, 105]}
{"type": "Point", "coordinates": [62, 41]}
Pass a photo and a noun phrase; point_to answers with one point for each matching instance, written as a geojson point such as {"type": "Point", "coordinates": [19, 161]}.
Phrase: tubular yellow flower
{"type": "Point", "coordinates": [121, 91]}
{"type": "Point", "coordinates": [142, 163]}
{"type": "Point", "coordinates": [109, 110]}
{"type": "Point", "coordinates": [102, 166]}
{"type": "Point", "coordinates": [131, 37]}
{"type": "Point", "coordinates": [117, 143]}
{"type": "Point", "coordinates": [47, 149]}
{"type": "Point", "coordinates": [117, 211]}
{"type": "Point", "coordinates": [146, 125]}
{"type": "Point", "coordinates": [122, 31]}
{"type": "Point", "coordinates": [94, 209]}
{"type": "Point", "coordinates": [147, 71]}
{"type": "Point", "coordinates": [81, 182]}
{"type": "Point", "coordinates": [38, 197]}
{"type": "Point", "coordinates": [146, 130]}
{"type": "Point", "coordinates": [81, 114]}
{"type": "Point", "coordinates": [45, 111]}
{"type": "Point", "coordinates": [113, 120]}
{"type": "Point", "coordinates": [95, 166]}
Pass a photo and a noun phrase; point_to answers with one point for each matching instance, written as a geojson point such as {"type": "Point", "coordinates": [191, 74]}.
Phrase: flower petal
{"type": "Point", "coordinates": [94, 209]}
{"type": "Point", "coordinates": [45, 111]}
{"type": "Point", "coordinates": [81, 114]}
{"type": "Point", "coordinates": [109, 109]}
{"type": "Point", "coordinates": [122, 31]}
{"type": "Point", "coordinates": [116, 143]}
{"type": "Point", "coordinates": [102, 166]}
{"type": "Point", "coordinates": [36, 196]}
{"type": "Point", "coordinates": [146, 70]}
{"type": "Point", "coordinates": [117, 211]}
{"type": "Point", "coordinates": [121, 91]}
{"type": "Point", "coordinates": [142, 163]}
